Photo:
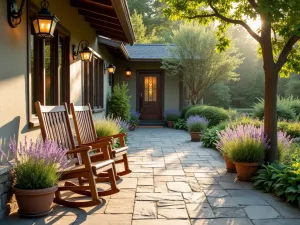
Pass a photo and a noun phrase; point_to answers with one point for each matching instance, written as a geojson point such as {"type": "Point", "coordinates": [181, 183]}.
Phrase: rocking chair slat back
{"type": "Point", "coordinates": [55, 124]}
{"type": "Point", "coordinates": [84, 125]}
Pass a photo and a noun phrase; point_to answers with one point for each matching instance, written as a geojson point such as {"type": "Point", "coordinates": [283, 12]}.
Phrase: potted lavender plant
{"type": "Point", "coordinates": [245, 146]}
{"type": "Point", "coordinates": [35, 166]}
{"type": "Point", "coordinates": [195, 125]}
{"type": "Point", "coordinates": [134, 120]}
{"type": "Point", "coordinates": [171, 116]}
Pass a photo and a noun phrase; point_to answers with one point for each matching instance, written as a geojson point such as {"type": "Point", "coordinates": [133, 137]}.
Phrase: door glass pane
{"type": "Point", "coordinates": [48, 76]}
{"type": "Point", "coordinates": [150, 93]}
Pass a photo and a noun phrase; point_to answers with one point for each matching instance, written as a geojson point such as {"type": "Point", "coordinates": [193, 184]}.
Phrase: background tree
{"type": "Point", "coordinates": [140, 30]}
{"type": "Point", "coordinates": [277, 36]}
{"type": "Point", "coordinates": [293, 86]}
{"type": "Point", "coordinates": [219, 95]}
{"type": "Point", "coordinates": [194, 59]}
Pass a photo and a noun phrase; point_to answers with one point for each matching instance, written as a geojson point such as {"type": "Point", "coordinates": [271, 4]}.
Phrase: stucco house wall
{"type": "Point", "coordinates": [14, 118]}
{"type": "Point", "coordinates": [170, 90]}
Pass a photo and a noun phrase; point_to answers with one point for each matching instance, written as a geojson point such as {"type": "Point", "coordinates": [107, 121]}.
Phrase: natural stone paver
{"type": "Point", "coordinates": [261, 212]}
{"type": "Point", "coordinates": [178, 187]}
{"type": "Point", "coordinates": [200, 210]}
{"type": "Point", "coordinates": [173, 181]}
{"type": "Point", "coordinates": [229, 212]}
{"type": "Point", "coordinates": [226, 221]}
{"type": "Point", "coordinates": [120, 206]}
{"type": "Point", "coordinates": [144, 210]}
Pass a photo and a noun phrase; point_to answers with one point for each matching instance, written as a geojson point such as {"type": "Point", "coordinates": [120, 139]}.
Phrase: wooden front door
{"type": "Point", "coordinates": [150, 97]}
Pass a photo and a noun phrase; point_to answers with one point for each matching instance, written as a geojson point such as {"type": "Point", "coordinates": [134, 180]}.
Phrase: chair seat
{"type": "Point", "coordinates": [81, 168]}
{"type": "Point", "coordinates": [120, 151]}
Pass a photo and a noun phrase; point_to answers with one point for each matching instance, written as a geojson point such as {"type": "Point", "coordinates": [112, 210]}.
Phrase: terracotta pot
{"type": "Point", "coordinates": [35, 203]}
{"type": "Point", "coordinates": [230, 166]}
{"type": "Point", "coordinates": [246, 171]}
{"type": "Point", "coordinates": [195, 136]}
{"type": "Point", "coordinates": [170, 124]}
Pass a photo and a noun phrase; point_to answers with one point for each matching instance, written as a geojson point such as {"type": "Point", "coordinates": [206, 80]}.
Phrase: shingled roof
{"type": "Point", "coordinates": [148, 52]}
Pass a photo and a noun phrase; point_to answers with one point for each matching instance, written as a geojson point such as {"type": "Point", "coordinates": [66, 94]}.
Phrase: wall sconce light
{"type": "Point", "coordinates": [128, 72]}
{"type": "Point", "coordinates": [111, 70]}
{"type": "Point", "coordinates": [14, 16]}
{"type": "Point", "coordinates": [44, 22]}
{"type": "Point", "coordinates": [85, 53]}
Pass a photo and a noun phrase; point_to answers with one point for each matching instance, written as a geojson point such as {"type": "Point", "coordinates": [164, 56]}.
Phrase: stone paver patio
{"type": "Point", "coordinates": [176, 182]}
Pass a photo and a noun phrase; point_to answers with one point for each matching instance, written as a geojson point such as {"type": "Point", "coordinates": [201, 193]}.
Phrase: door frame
{"type": "Point", "coordinates": [138, 87]}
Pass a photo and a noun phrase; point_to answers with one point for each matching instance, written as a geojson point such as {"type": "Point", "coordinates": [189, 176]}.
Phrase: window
{"type": "Point", "coordinates": [93, 83]}
{"type": "Point", "coordinates": [150, 89]}
{"type": "Point", "coordinates": [49, 77]}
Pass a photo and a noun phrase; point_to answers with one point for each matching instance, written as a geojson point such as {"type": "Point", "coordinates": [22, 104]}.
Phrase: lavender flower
{"type": "Point", "coordinates": [124, 126]}
{"type": "Point", "coordinates": [48, 152]}
{"type": "Point", "coordinates": [196, 119]}
{"type": "Point", "coordinates": [284, 140]}
{"type": "Point", "coordinates": [135, 115]}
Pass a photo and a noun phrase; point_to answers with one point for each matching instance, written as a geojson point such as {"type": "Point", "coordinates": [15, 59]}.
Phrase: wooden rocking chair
{"type": "Point", "coordinates": [86, 135]}
{"type": "Point", "coordinates": [55, 126]}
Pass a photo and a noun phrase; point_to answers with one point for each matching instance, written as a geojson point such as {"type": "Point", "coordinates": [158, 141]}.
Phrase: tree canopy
{"type": "Point", "coordinates": [194, 59]}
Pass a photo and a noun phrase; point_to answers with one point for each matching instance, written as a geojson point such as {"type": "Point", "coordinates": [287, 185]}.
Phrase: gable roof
{"type": "Point", "coordinates": [148, 52]}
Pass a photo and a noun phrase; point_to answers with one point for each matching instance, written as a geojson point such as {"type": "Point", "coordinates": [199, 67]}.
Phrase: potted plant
{"type": "Point", "coordinates": [246, 147]}
{"type": "Point", "coordinates": [35, 166]}
{"type": "Point", "coordinates": [134, 120]}
{"type": "Point", "coordinates": [171, 116]}
{"type": "Point", "coordinates": [195, 125]}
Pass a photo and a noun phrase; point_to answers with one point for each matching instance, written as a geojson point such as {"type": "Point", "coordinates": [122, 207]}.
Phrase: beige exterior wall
{"type": "Point", "coordinates": [13, 68]}
{"type": "Point", "coordinates": [171, 84]}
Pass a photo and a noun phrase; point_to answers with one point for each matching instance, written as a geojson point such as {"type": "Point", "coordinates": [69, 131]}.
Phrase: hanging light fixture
{"type": "Point", "coordinates": [111, 69]}
{"type": "Point", "coordinates": [14, 15]}
{"type": "Point", "coordinates": [85, 53]}
{"type": "Point", "coordinates": [128, 72]}
{"type": "Point", "coordinates": [44, 22]}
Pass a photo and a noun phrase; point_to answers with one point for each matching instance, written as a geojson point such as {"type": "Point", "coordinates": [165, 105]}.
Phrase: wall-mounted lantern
{"type": "Point", "coordinates": [128, 72]}
{"type": "Point", "coordinates": [85, 53]}
{"type": "Point", "coordinates": [14, 16]}
{"type": "Point", "coordinates": [44, 22]}
{"type": "Point", "coordinates": [111, 70]}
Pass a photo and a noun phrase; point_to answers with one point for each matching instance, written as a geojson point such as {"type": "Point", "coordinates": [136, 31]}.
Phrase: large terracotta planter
{"type": "Point", "coordinates": [230, 166]}
{"type": "Point", "coordinates": [245, 171]}
{"type": "Point", "coordinates": [170, 124]}
{"type": "Point", "coordinates": [195, 136]}
{"type": "Point", "coordinates": [35, 203]}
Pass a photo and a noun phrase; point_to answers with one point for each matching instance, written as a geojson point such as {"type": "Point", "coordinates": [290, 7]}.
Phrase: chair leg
{"type": "Point", "coordinates": [114, 189]}
{"type": "Point", "coordinates": [126, 165]}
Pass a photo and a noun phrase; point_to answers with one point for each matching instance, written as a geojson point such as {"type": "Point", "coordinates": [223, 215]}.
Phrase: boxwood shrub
{"type": "Point", "coordinates": [214, 114]}
{"type": "Point", "coordinates": [185, 109]}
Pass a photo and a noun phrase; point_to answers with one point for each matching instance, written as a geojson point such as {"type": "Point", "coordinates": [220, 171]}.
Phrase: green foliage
{"type": "Point", "coordinates": [218, 95]}
{"type": "Point", "coordinates": [292, 86]}
{"type": "Point", "coordinates": [245, 120]}
{"type": "Point", "coordinates": [194, 59]}
{"type": "Point", "coordinates": [284, 109]}
{"type": "Point", "coordinates": [197, 127]}
{"type": "Point", "coordinates": [214, 114]}
{"type": "Point", "coordinates": [209, 138]}
{"type": "Point", "coordinates": [185, 109]}
{"type": "Point", "coordinates": [246, 111]}
{"type": "Point", "coordinates": [291, 128]}
{"type": "Point", "coordinates": [180, 124]}
{"type": "Point", "coordinates": [246, 150]}
{"type": "Point", "coordinates": [268, 176]}
{"type": "Point", "coordinates": [107, 127]}
{"type": "Point", "coordinates": [140, 30]}
{"type": "Point", "coordinates": [36, 175]}
{"type": "Point", "coordinates": [119, 102]}
{"type": "Point", "coordinates": [287, 155]}
{"type": "Point", "coordinates": [171, 117]}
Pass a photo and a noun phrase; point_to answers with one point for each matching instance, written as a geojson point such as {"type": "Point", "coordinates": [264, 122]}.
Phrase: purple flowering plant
{"type": "Point", "coordinates": [36, 163]}
{"type": "Point", "coordinates": [243, 143]}
{"type": "Point", "coordinates": [197, 123]}
{"type": "Point", "coordinates": [124, 126]}
{"type": "Point", "coordinates": [135, 118]}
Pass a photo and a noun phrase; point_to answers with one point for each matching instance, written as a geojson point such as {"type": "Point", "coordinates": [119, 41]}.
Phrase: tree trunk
{"type": "Point", "coordinates": [270, 114]}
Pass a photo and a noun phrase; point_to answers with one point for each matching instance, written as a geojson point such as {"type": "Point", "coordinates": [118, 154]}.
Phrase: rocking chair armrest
{"type": "Point", "coordinates": [80, 149]}
{"type": "Point", "coordinates": [107, 138]}
{"type": "Point", "coordinates": [120, 136]}
{"type": "Point", "coordinates": [105, 147]}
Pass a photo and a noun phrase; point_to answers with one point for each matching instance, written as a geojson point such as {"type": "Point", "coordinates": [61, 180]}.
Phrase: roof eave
{"type": "Point", "coordinates": [122, 11]}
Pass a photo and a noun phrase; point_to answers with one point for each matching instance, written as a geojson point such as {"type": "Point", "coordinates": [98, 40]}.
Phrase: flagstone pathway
{"type": "Point", "coordinates": [177, 182]}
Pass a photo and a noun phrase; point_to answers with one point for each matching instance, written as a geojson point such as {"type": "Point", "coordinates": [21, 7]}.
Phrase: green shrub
{"type": "Point", "coordinates": [185, 109]}
{"type": "Point", "coordinates": [180, 124]}
{"type": "Point", "coordinates": [210, 137]}
{"type": "Point", "coordinates": [285, 109]}
{"type": "Point", "coordinates": [119, 102]}
{"type": "Point", "coordinates": [245, 120]}
{"type": "Point", "coordinates": [171, 117]}
{"type": "Point", "coordinates": [215, 115]}
{"type": "Point", "coordinates": [107, 127]}
{"type": "Point", "coordinates": [291, 128]}
{"type": "Point", "coordinates": [197, 127]}
{"type": "Point", "coordinates": [232, 114]}
{"type": "Point", "coordinates": [246, 111]}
